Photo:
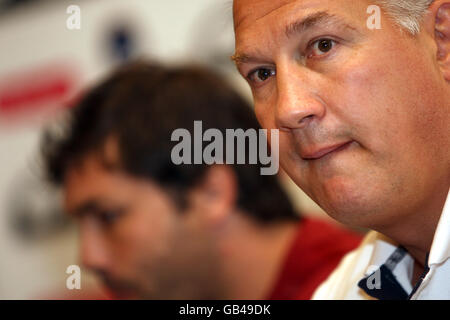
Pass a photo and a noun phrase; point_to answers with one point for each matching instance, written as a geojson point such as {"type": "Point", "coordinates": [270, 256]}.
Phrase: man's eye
{"type": "Point", "coordinates": [321, 47]}
{"type": "Point", "coordinates": [109, 217]}
{"type": "Point", "coordinates": [261, 75]}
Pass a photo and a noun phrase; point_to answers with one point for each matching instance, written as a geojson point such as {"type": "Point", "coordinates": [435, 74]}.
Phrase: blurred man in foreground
{"type": "Point", "coordinates": [153, 229]}
{"type": "Point", "coordinates": [363, 111]}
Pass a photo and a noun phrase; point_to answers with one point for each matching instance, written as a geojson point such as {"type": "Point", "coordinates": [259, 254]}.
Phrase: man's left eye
{"type": "Point", "coordinates": [322, 46]}
{"type": "Point", "coordinates": [109, 217]}
{"type": "Point", "coordinates": [260, 75]}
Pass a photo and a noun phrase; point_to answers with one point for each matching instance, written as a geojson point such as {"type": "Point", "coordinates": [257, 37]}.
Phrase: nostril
{"type": "Point", "coordinates": [306, 119]}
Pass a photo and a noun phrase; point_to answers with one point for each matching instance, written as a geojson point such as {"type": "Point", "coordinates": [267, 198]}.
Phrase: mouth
{"type": "Point", "coordinates": [118, 294]}
{"type": "Point", "coordinates": [322, 152]}
{"type": "Point", "coordinates": [118, 291]}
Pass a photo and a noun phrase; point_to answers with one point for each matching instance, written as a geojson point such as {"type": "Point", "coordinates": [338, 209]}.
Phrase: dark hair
{"type": "Point", "coordinates": [140, 105]}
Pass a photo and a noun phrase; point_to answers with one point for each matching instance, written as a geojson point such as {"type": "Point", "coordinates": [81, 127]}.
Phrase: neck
{"type": "Point", "coordinates": [252, 256]}
{"type": "Point", "coordinates": [417, 232]}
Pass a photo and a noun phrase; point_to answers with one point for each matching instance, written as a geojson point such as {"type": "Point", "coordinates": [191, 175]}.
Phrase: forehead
{"type": "Point", "coordinates": [89, 179]}
{"type": "Point", "coordinates": [250, 10]}
{"type": "Point", "coordinates": [251, 14]}
{"type": "Point", "coordinates": [93, 180]}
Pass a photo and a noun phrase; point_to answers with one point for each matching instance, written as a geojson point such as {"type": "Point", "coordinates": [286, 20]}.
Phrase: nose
{"type": "Point", "coordinates": [92, 248]}
{"type": "Point", "coordinates": [298, 103]}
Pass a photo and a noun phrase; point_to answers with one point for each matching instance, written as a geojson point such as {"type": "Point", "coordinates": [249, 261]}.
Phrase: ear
{"type": "Point", "coordinates": [440, 12]}
{"type": "Point", "coordinates": [218, 193]}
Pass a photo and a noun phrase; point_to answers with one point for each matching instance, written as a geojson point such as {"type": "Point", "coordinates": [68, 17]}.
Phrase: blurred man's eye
{"type": "Point", "coordinates": [260, 75]}
{"type": "Point", "coordinates": [321, 47]}
{"type": "Point", "coordinates": [109, 217]}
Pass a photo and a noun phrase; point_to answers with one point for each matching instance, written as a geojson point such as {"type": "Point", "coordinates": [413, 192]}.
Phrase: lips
{"type": "Point", "coordinates": [321, 152]}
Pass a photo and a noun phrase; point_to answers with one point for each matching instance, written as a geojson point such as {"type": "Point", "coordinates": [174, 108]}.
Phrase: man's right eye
{"type": "Point", "coordinates": [108, 217]}
{"type": "Point", "coordinates": [260, 75]}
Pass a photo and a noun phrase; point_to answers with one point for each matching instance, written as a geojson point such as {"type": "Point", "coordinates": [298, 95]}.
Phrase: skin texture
{"type": "Point", "coordinates": [135, 238]}
{"type": "Point", "coordinates": [142, 246]}
{"type": "Point", "coordinates": [383, 93]}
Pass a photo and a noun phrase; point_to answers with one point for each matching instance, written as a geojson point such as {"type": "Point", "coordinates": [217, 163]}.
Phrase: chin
{"type": "Point", "coordinates": [350, 203]}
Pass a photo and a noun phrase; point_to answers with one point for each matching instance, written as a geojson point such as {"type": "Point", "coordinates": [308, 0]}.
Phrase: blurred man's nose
{"type": "Point", "coordinates": [297, 103]}
{"type": "Point", "coordinates": [92, 248]}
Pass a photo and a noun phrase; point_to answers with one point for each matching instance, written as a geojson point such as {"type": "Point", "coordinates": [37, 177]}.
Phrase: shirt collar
{"type": "Point", "coordinates": [440, 249]}
{"type": "Point", "coordinates": [402, 274]}
{"type": "Point", "coordinates": [383, 248]}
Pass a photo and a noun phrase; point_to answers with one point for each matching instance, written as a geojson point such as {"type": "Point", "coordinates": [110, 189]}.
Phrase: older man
{"type": "Point", "coordinates": [363, 110]}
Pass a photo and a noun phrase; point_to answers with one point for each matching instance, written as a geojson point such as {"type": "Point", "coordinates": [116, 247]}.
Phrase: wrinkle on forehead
{"type": "Point", "coordinates": [256, 9]}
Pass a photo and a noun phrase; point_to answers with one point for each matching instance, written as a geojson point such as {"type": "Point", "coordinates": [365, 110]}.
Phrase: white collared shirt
{"type": "Point", "coordinates": [375, 251]}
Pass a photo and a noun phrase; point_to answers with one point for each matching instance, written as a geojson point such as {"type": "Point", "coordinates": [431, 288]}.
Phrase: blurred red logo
{"type": "Point", "coordinates": [44, 87]}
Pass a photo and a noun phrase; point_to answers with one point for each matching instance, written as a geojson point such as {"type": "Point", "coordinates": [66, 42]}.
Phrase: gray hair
{"type": "Point", "coordinates": [407, 13]}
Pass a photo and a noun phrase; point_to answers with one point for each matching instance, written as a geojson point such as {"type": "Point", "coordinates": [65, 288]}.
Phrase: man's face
{"type": "Point", "coordinates": [363, 114]}
{"type": "Point", "coordinates": [134, 237]}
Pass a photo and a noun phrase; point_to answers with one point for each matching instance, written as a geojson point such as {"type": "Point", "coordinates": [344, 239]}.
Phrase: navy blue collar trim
{"type": "Point", "coordinates": [382, 283]}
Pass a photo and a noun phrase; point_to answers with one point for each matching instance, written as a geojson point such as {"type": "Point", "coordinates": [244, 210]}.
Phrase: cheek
{"type": "Point", "coordinates": [264, 114]}
{"type": "Point", "coordinates": [362, 90]}
{"type": "Point", "coordinates": [391, 103]}
{"type": "Point", "coordinates": [374, 98]}
{"type": "Point", "coordinates": [293, 164]}
{"type": "Point", "coordinates": [142, 236]}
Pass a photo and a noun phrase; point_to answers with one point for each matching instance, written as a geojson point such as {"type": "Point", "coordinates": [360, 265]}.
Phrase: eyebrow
{"type": "Point", "coordinates": [240, 58]}
{"type": "Point", "coordinates": [313, 20]}
{"type": "Point", "coordinates": [298, 27]}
